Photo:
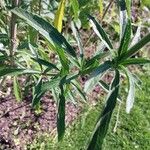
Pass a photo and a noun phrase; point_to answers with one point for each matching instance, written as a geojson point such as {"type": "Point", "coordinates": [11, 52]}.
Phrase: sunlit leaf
{"type": "Point", "coordinates": [59, 15]}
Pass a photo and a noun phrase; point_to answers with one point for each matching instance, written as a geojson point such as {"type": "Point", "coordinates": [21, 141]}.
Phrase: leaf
{"type": "Point", "coordinates": [79, 90]}
{"type": "Point", "coordinates": [95, 76]}
{"type": "Point", "coordinates": [123, 17]}
{"type": "Point", "coordinates": [10, 71]}
{"type": "Point", "coordinates": [45, 63]}
{"type": "Point", "coordinates": [131, 92]}
{"type": "Point", "coordinates": [53, 83]}
{"type": "Point", "coordinates": [100, 32]}
{"type": "Point", "coordinates": [59, 15]}
{"type": "Point", "coordinates": [61, 115]}
{"type": "Point", "coordinates": [78, 39]}
{"type": "Point", "coordinates": [45, 29]}
{"type": "Point", "coordinates": [100, 130]}
{"type": "Point", "coordinates": [137, 36]}
{"type": "Point", "coordinates": [134, 49]}
{"type": "Point", "coordinates": [37, 93]}
{"type": "Point", "coordinates": [17, 89]}
{"type": "Point", "coordinates": [64, 62]}
{"type": "Point", "coordinates": [134, 61]}
{"type": "Point", "coordinates": [128, 4]}
{"type": "Point", "coordinates": [124, 44]}
{"type": "Point", "coordinates": [75, 7]}
{"type": "Point", "coordinates": [106, 87]}
{"type": "Point", "coordinates": [3, 58]}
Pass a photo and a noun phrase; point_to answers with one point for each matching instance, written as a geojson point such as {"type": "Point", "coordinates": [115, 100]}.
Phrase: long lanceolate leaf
{"type": "Point", "coordinates": [61, 114]}
{"type": "Point", "coordinates": [100, 32]}
{"type": "Point", "coordinates": [59, 15]}
{"type": "Point", "coordinates": [95, 76]}
{"type": "Point", "coordinates": [134, 49]}
{"type": "Point", "coordinates": [134, 61]}
{"type": "Point", "coordinates": [123, 17]}
{"type": "Point", "coordinates": [128, 4]}
{"type": "Point", "coordinates": [45, 63]}
{"type": "Point", "coordinates": [45, 29]}
{"type": "Point", "coordinates": [37, 93]}
{"type": "Point", "coordinates": [131, 92]}
{"type": "Point", "coordinates": [102, 125]}
{"type": "Point", "coordinates": [125, 39]}
{"type": "Point", "coordinates": [75, 7]}
{"type": "Point", "coordinates": [17, 89]}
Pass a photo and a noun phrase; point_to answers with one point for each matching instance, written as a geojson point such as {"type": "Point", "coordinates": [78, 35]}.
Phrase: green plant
{"type": "Point", "coordinates": [60, 78]}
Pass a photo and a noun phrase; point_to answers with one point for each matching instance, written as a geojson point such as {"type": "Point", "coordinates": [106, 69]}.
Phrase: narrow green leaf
{"type": "Point", "coordinates": [79, 90]}
{"type": "Point", "coordinates": [17, 89]}
{"type": "Point", "coordinates": [100, 32]}
{"type": "Point", "coordinates": [128, 4]}
{"type": "Point", "coordinates": [3, 58]}
{"type": "Point", "coordinates": [123, 17]}
{"type": "Point", "coordinates": [61, 115]}
{"type": "Point", "coordinates": [45, 29]}
{"type": "Point", "coordinates": [78, 39]}
{"type": "Point", "coordinates": [37, 93]}
{"type": "Point", "coordinates": [53, 83]}
{"type": "Point", "coordinates": [102, 125]}
{"type": "Point", "coordinates": [106, 87]}
{"type": "Point", "coordinates": [131, 91]}
{"type": "Point", "coordinates": [134, 61]}
{"type": "Point", "coordinates": [10, 71]}
{"type": "Point", "coordinates": [124, 44]}
{"type": "Point", "coordinates": [45, 63]}
{"type": "Point", "coordinates": [134, 49]}
{"type": "Point", "coordinates": [100, 69]}
{"type": "Point", "coordinates": [75, 7]}
{"type": "Point", "coordinates": [96, 75]}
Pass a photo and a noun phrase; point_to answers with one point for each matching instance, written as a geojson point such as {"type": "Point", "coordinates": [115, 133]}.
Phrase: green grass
{"type": "Point", "coordinates": [133, 131]}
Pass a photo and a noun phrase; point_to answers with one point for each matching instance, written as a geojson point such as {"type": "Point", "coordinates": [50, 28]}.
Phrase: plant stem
{"type": "Point", "coordinates": [13, 30]}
